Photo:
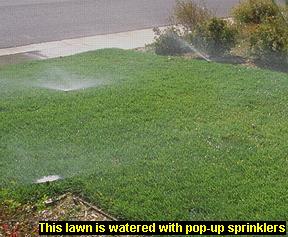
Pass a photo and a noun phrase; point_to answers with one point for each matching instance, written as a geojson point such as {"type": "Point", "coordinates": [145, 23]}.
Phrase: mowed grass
{"type": "Point", "coordinates": [163, 139]}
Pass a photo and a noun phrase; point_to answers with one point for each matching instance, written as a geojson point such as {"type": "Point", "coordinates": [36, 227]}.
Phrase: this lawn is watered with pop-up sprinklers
{"type": "Point", "coordinates": [149, 137]}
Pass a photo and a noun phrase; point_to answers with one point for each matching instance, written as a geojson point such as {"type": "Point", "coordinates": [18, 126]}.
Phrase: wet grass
{"type": "Point", "coordinates": [165, 139]}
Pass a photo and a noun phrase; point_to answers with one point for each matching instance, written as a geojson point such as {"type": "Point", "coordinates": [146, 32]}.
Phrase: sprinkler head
{"type": "Point", "coordinates": [48, 179]}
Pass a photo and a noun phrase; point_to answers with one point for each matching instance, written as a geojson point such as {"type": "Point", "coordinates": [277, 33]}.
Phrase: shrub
{"type": "Point", "coordinates": [285, 13]}
{"type": "Point", "coordinates": [190, 14]}
{"type": "Point", "coordinates": [269, 42]}
{"type": "Point", "coordinates": [265, 30]}
{"type": "Point", "coordinates": [215, 36]}
{"type": "Point", "coordinates": [255, 11]}
{"type": "Point", "coordinates": [170, 43]}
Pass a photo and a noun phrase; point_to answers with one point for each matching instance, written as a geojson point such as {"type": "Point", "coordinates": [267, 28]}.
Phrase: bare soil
{"type": "Point", "coordinates": [24, 220]}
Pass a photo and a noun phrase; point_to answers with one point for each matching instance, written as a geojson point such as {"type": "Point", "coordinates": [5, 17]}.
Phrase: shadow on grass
{"type": "Point", "coordinates": [257, 63]}
{"type": "Point", "coordinates": [280, 67]}
{"type": "Point", "coordinates": [238, 60]}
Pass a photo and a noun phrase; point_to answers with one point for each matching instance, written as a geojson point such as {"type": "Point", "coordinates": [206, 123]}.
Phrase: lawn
{"type": "Point", "coordinates": [155, 138]}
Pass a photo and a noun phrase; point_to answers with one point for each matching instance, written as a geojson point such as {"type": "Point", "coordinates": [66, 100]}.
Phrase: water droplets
{"type": "Point", "coordinates": [61, 80]}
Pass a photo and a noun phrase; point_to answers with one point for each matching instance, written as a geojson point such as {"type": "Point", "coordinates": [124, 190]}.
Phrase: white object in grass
{"type": "Point", "coordinates": [50, 178]}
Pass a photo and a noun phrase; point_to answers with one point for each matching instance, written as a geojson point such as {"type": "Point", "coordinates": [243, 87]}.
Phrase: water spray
{"type": "Point", "coordinates": [199, 53]}
{"type": "Point", "coordinates": [67, 82]}
{"type": "Point", "coordinates": [192, 48]}
{"type": "Point", "coordinates": [48, 179]}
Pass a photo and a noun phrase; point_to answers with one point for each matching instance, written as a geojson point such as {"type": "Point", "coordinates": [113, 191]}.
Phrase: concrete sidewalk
{"type": "Point", "coordinates": [54, 49]}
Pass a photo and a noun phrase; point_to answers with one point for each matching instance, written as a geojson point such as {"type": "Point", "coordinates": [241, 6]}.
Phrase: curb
{"type": "Point", "coordinates": [123, 40]}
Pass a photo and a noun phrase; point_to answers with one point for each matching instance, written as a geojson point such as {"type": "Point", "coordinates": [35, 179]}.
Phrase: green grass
{"type": "Point", "coordinates": [163, 140]}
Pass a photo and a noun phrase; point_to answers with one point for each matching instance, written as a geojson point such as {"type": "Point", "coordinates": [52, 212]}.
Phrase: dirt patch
{"type": "Point", "coordinates": [24, 220]}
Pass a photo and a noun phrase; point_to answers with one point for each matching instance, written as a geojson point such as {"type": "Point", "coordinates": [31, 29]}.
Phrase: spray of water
{"type": "Point", "coordinates": [185, 44]}
{"type": "Point", "coordinates": [61, 80]}
{"type": "Point", "coordinates": [50, 178]}
{"type": "Point", "coordinates": [69, 85]}
{"type": "Point", "coordinates": [193, 49]}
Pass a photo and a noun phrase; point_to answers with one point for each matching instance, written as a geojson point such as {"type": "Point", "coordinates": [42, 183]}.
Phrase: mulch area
{"type": "Point", "coordinates": [24, 220]}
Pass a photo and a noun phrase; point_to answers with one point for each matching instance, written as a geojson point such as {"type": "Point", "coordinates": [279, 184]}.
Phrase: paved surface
{"type": "Point", "coordinates": [26, 22]}
{"type": "Point", "coordinates": [54, 49]}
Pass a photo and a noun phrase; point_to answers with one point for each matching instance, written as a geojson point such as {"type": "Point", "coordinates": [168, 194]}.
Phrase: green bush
{"type": "Point", "coordinates": [269, 42]}
{"type": "Point", "coordinates": [255, 11]}
{"type": "Point", "coordinates": [170, 43]}
{"type": "Point", "coordinates": [189, 14]}
{"type": "Point", "coordinates": [216, 37]}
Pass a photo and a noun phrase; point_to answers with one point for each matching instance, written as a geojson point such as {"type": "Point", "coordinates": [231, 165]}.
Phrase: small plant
{"type": "Point", "coordinates": [216, 37]}
{"type": "Point", "coordinates": [190, 14]}
{"type": "Point", "coordinates": [255, 11]}
{"type": "Point", "coordinates": [170, 43]}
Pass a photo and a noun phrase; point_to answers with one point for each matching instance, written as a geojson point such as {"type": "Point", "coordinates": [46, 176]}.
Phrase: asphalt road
{"type": "Point", "coordinates": [34, 21]}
